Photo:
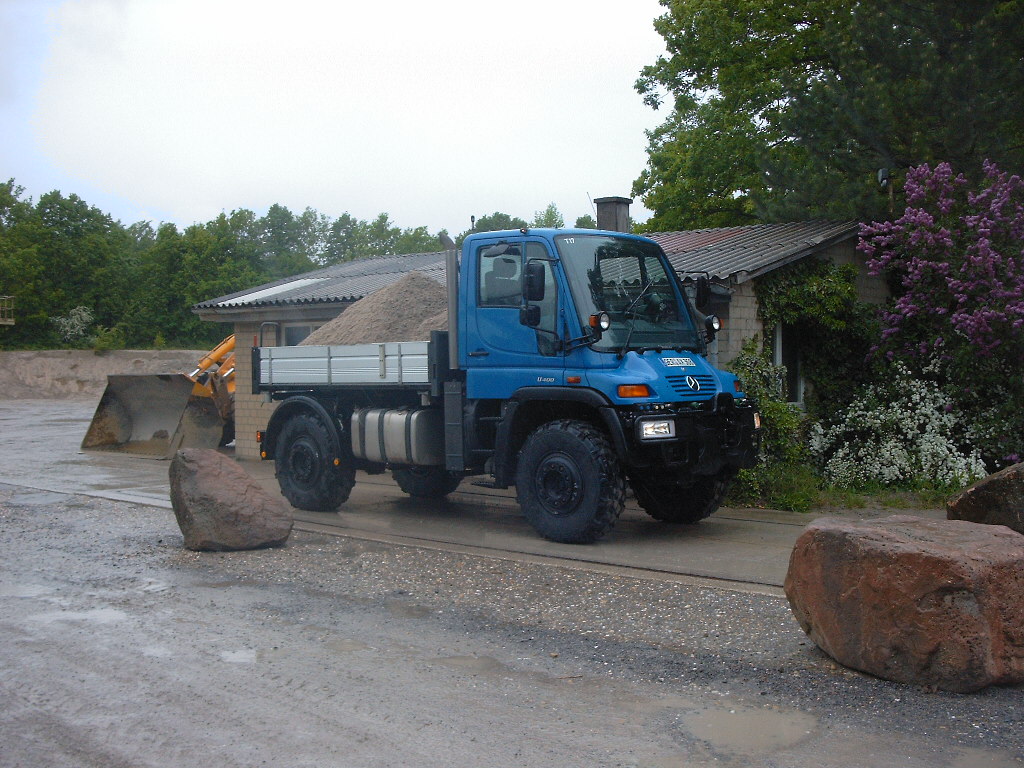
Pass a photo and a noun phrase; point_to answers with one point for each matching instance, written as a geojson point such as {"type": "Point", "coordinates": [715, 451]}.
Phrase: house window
{"type": "Point", "coordinates": [294, 333]}
{"type": "Point", "coordinates": [786, 351]}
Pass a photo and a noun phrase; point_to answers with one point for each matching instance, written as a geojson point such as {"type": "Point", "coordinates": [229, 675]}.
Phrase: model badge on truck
{"type": "Point", "coordinates": [678, 362]}
{"type": "Point", "coordinates": [545, 380]}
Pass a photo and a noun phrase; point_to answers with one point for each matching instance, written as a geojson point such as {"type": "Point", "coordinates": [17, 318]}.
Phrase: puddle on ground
{"type": "Point", "coordinates": [742, 730]}
{"type": "Point", "coordinates": [216, 584]}
{"type": "Point", "coordinates": [979, 758]}
{"type": "Point", "coordinates": [94, 616]}
{"type": "Point", "coordinates": [475, 664]}
{"type": "Point", "coordinates": [23, 590]}
{"type": "Point", "coordinates": [644, 706]}
{"type": "Point", "coordinates": [36, 499]}
{"type": "Point", "coordinates": [346, 645]}
{"type": "Point", "coordinates": [241, 656]}
{"type": "Point", "coordinates": [151, 585]}
{"type": "Point", "coordinates": [405, 610]}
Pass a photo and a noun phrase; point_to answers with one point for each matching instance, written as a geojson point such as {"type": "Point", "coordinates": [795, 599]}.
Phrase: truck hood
{"type": "Point", "coordinates": [672, 377]}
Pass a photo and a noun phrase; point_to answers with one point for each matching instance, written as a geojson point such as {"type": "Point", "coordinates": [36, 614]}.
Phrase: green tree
{"type": "Point", "coordinates": [493, 222]}
{"type": "Point", "coordinates": [58, 255]}
{"type": "Point", "coordinates": [289, 245]}
{"type": "Point", "coordinates": [349, 238]}
{"type": "Point", "coordinates": [22, 274]}
{"type": "Point", "coordinates": [342, 242]}
{"type": "Point", "coordinates": [549, 217]}
{"type": "Point", "coordinates": [784, 109]}
{"type": "Point", "coordinates": [158, 308]}
{"type": "Point", "coordinates": [417, 240]}
{"type": "Point", "coordinates": [586, 221]}
{"type": "Point", "coordinates": [64, 261]}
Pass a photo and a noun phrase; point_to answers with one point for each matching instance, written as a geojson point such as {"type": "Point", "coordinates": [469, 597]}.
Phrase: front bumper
{"type": "Point", "coordinates": [721, 433]}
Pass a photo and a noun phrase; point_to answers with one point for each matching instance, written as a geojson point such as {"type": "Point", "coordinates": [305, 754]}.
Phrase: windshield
{"type": "Point", "coordinates": [627, 279]}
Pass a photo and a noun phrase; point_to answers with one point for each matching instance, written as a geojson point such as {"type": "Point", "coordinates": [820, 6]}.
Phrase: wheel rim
{"type": "Point", "coordinates": [303, 461]}
{"type": "Point", "coordinates": [559, 484]}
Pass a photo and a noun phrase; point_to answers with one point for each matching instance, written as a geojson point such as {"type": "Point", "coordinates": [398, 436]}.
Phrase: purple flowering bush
{"type": "Point", "coordinates": [956, 262]}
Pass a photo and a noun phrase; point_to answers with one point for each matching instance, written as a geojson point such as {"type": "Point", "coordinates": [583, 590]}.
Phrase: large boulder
{"type": "Point", "coordinates": [937, 603]}
{"type": "Point", "coordinates": [994, 500]}
{"type": "Point", "coordinates": [220, 507]}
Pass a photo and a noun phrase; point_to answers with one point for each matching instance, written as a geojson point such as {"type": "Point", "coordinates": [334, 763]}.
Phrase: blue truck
{"type": "Point", "coordinates": [574, 364]}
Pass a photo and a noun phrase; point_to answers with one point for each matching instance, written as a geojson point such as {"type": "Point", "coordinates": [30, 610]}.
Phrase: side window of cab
{"type": "Point", "coordinates": [500, 281]}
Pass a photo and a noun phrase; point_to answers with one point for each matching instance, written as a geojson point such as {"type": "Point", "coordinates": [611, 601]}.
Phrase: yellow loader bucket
{"type": "Point", "coordinates": [153, 415]}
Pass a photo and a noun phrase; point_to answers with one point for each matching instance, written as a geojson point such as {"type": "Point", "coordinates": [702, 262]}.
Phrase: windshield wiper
{"type": "Point", "coordinates": [632, 323]}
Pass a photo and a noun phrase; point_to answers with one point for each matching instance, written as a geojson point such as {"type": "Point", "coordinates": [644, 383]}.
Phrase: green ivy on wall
{"type": "Point", "coordinates": [836, 330]}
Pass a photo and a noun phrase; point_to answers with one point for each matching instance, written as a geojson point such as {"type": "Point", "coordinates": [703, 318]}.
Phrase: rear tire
{"type": "Point", "coordinates": [305, 469]}
{"type": "Point", "coordinates": [426, 482]}
{"type": "Point", "coordinates": [569, 482]}
{"type": "Point", "coordinates": [667, 499]}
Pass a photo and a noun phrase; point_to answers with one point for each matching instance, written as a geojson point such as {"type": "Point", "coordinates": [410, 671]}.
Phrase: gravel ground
{"type": "Point", "coordinates": [336, 651]}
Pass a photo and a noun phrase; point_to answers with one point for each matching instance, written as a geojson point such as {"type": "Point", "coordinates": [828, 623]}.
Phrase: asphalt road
{"type": "Point", "coordinates": [120, 648]}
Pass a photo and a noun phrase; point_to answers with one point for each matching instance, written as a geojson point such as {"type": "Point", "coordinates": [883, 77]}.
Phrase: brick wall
{"type": "Point", "coordinates": [251, 412]}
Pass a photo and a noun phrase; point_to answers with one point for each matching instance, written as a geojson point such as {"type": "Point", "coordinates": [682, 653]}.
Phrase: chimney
{"type": "Point", "coordinates": [613, 213]}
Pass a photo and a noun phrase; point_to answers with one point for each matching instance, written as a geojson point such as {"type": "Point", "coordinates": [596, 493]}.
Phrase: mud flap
{"type": "Point", "coordinates": [154, 416]}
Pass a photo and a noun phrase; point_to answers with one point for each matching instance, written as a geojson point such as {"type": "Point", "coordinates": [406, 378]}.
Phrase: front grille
{"type": "Point", "coordinates": [686, 392]}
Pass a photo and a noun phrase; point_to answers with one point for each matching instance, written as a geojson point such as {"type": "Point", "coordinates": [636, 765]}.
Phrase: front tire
{"type": "Point", "coordinates": [569, 482]}
{"type": "Point", "coordinates": [426, 482]}
{"type": "Point", "coordinates": [667, 499]}
{"type": "Point", "coordinates": [305, 469]}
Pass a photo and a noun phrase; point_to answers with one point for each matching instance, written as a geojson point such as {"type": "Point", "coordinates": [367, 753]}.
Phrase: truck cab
{"type": "Point", "coordinates": [575, 364]}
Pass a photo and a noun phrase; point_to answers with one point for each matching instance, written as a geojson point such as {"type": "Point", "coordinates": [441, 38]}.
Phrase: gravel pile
{"type": "Point", "coordinates": [406, 310]}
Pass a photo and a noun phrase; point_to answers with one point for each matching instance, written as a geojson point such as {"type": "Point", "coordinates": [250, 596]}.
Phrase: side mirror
{"type": "Point", "coordinates": [703, 295]}
{"type": "Point", "coordinates": [529, 315]}
{"type": "Point", "coordinates": [533, 288]}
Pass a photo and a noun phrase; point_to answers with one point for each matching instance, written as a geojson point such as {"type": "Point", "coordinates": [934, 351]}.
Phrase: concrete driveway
{"type": "Point", "coordinates": [39, 447]}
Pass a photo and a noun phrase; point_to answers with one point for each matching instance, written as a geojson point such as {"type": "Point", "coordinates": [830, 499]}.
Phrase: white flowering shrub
{"type": "Point", "coordinates": [900, 432]}
{"type": "Point", "coordinates": [74, 326]}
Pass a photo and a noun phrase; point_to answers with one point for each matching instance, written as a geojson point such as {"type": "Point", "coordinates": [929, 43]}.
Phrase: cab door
{"type": "Point", "coordinates": [502, 354]}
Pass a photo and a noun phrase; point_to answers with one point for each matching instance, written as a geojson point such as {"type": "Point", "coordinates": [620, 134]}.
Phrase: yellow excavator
{"type": "Point", "coordinates": [156, 415]}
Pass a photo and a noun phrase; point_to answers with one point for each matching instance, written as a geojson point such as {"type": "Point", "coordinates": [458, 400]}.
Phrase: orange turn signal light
{"type": "Point", "coordinates": [634, 390]}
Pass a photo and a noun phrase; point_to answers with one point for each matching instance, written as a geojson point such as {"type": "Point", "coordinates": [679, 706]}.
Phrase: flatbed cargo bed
{"type": "Point", "coordinates": [395, 363]}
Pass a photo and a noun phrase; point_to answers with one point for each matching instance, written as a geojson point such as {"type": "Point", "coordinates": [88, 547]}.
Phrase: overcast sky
{"type": "Point", "coordinates": [428, 111]}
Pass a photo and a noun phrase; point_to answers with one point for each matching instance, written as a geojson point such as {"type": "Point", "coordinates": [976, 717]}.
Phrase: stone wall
{"type": "Point", "coordinates": [869, 288]}
{"type": "Point", "coordinates": [82, 373]}
{"type": "Point", "coordinates": [740, 323]}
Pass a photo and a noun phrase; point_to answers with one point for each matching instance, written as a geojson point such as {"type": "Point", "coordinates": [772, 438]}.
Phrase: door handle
{"type": "Point", "coordinates": [479, 353]}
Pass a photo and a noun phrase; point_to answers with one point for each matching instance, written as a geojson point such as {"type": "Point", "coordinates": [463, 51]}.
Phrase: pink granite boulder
{"type": "Point", "coordinates": [220, 507]}
{"type": "Point", "coordinates": [994, 500]}
{"type": "Point", "coordinates": [936, 603]}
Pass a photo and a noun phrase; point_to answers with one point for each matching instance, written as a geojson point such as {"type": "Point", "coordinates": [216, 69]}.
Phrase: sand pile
{"type": "Point", "coordinates": [406, 310]}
